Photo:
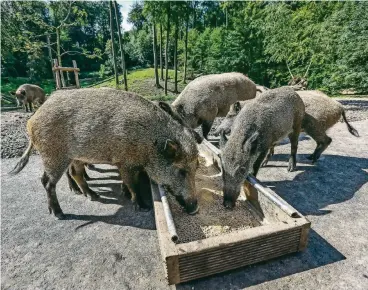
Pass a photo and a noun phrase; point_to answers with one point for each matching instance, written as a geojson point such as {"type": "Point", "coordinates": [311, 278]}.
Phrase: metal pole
{"type": "Point", "coordinates": [168, 216]}
{"type": "Point", "coordinates": [274, 198]}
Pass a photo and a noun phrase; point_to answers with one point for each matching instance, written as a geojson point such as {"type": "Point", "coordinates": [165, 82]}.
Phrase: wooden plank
{"type": "Point", "coordinates": [57, 75]}
{"type": "Point", "coordinates": [76, 70]}
{"type": "Point", "coordinates": [61, 68]}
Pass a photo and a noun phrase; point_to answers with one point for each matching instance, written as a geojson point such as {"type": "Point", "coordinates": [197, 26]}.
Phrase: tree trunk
{"type": "Point", "coordinates": [50, 56]}
{"type": "Point", "coordinates": [113, 45]}
{"type": "Point", "coordinates": [176, 55]}
{"type": "Point", "coordinates": [59, 56]}
{"type": "Point", "coordinates": [161, 66]}
{"type": "Point", "coordinates": [186, 48]}
{"type": "Point", "coordinates": [167, 46]}
{"type": "Point", "coordinates": [157, 81]}
{"type": "Point", "coordinates": [122, 53]}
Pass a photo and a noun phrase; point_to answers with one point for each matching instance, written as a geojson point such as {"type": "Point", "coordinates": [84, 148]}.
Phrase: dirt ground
{"type": "Point", "coordinates": [107, 245]}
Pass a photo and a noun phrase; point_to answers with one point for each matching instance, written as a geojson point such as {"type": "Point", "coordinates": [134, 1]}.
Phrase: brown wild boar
{"type": "Point", "coordinates": [265, 120]}
{"type": "Point", "coordinates": [28, 94]}
{"type": "Point", "coordinates": [211, 96]}
{"type": "Point", "coordinates": [107, 126]}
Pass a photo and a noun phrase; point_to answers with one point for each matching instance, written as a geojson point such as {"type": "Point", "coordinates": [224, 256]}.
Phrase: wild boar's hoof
{"type": "Point", "coordinates": [291, 167]}
{"type": "Point", "coordinates": [310, 157]}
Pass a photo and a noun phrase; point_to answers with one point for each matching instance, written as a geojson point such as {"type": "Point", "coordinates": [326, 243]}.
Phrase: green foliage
{"type": "Point", "coordinates": [258, 38]}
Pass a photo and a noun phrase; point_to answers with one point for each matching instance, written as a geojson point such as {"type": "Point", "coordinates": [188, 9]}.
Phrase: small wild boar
{"type": "Point", "coordinates": [211, 96]}
{"type": "Point", "coordinates": [28, 94]}
{"type": "Point", "coordinates": [107, 126]}
{"type": "Point", "coordinates": [260, 124]}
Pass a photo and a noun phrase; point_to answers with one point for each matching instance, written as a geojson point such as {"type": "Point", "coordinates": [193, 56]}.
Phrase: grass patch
{"type": "Point", "coordinates": [140, 81]}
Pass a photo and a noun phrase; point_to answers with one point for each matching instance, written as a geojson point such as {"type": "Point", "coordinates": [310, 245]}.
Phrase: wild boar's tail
{"type": "Point", "coordinates": [23, 160]}
{"type": "Point", "coordinates": [351, 129]}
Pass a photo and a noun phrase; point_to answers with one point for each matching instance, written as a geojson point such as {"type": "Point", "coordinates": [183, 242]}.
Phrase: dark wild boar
{"type": "Point", "coordinates": [107, 126]}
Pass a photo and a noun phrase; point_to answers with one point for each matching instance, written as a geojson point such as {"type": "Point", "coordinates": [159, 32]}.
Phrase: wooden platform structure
{"type": "Point", "coordinates": [59, 78]}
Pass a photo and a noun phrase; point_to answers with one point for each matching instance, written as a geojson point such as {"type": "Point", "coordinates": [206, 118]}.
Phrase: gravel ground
{"type": "Point", "coordinates": [14, 139]}
{"type": "Point", "coordinates": [106, 245]}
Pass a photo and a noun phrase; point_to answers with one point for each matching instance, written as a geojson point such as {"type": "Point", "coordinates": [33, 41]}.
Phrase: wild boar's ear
{"type": "Point", "coordinates": [166, 107]}
{"type": "Point", "coordinates": [171, 149]}
{"type": "Point", "coordinates": [250, 144]}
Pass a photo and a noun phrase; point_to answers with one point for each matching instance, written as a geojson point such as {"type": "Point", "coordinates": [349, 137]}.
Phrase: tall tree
{"type": "Point", "coordinates": [167, 44]}
{"type": "Point", "coordinates": [176, 36]}
{"type": "Point", "coordinates": [157, 80]}
{"type": "Point", "coordinates": [161, 64]}
{"type": "Point", "coordinates": [113, 45]}
{"type": "Point", "coordinates": [122, 53]}
{"type": "Point", "coordinates": [186, 42]}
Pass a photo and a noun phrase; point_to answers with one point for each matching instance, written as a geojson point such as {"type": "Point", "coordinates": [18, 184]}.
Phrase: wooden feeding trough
{"type": "Point", "coordinates": [59, 77]}
{"type": "Point", "coordinates": [276, 229]}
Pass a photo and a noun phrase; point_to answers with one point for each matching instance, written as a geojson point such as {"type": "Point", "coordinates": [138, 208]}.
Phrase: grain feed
{"type": "Point", "coordinates": [212, 219]}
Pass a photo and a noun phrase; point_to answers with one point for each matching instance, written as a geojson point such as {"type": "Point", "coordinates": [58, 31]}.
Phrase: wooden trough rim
{"type": "Point", "coordinates": [268, 193]}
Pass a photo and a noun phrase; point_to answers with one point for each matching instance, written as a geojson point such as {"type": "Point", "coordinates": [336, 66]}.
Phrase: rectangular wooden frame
{"type": "Point", "coordinates": [282, 235]}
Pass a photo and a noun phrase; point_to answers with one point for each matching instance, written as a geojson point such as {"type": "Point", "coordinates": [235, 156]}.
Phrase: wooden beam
{"type": "Point", "coordinates": [61, 68]}
{"type": "Point", "coordinates": [76, 70]}
{"type": "Point", "coordinates": [57, 75]}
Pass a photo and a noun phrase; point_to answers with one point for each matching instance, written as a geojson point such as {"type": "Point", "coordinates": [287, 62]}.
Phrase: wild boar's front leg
{"type": "Point", "coordinates": [30, 106]}
{"type": "Point", "coordinates": [294, 137]}
{"type": "Point", "coordinates": [206, 128]}
{"type": "Point", "coordinates": [77, 171]}
{"type": "Point", "coordinates": [130, 177]}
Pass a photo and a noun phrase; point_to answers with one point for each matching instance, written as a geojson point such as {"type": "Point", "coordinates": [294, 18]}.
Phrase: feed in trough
{"type": "Point", "coordinates": [213, 218]}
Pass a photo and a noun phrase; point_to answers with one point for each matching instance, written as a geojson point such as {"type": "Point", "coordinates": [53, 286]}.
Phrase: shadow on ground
{"type": "Point", "coordinates": [318, 253]}
{"type": "Point", "coordinates": [332, 180]}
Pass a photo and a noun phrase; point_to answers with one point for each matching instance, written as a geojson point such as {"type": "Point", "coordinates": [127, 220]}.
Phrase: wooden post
{"type": "Point", "coordinates": [57, 75]}
{"type": "Point", "coordinates": [76, 75]}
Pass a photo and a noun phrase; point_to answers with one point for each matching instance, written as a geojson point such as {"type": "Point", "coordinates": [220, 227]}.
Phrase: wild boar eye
{"type": "Point", "coordinates": [182, 172]}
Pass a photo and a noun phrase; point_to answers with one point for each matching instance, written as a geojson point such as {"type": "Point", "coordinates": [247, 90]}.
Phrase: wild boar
{"type": "Point", "coordinates": [211, 96]}
{"type": "Point", "coordinates": [107, 126]}
{"type": "Point", "coordinates": [28, 94]}
{"type": "Point", "coordinates": [260, 124]}
{"type": "Point", "coordinates": [321, 113]}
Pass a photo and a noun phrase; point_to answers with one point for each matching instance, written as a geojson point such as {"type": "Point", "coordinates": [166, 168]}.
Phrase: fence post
{"type": "Point", "coordinates": [57, 75]}
{"type": "Point", "coordinates": [76, 75]}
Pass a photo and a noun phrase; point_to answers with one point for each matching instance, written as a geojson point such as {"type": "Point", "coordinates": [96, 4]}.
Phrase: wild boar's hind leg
{"type": "Point", "coordinates": [30, 106]}
{"type": "Point", "coordinates": [54, 169]}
